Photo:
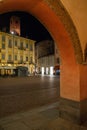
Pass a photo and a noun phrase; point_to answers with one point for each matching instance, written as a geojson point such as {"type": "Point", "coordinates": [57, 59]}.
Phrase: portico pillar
{"type": "Point", "coordinates": [73, 93]}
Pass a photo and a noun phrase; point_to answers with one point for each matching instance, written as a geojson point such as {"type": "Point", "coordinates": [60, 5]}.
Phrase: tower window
{"type": "Point", "coordinates": [11, 22]}
{"type": "Point", "coordinates": [16, 22]}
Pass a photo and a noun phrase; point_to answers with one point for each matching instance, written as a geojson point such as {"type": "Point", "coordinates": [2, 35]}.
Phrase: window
{"type": "Point", "coordinates": [31, 48]}
{"type": "Point", "coordinates": [3, 46]}
{"type": "Point", "coordinates": [9, 57]}
{"type": "Point", "coordinates": [26, 45]}
{"type": "Point", "coordinates": [58, 60]}
{"type": "Point", "coordinates": [21, 45]}
{"type": "Point", "coordinates": [15, 57]}
{"type": "Point", "coordinates": [21, 58]}
{"type": "Point", "coordinates": [3, 56]}
{"type": "Point", "coordinates": [15, 42]}
{"type": "Point", "coordinates": [31, 60]}
{"type": "Point", "coordinates": [10, 43]}
{"type": "Point", "coordinates": [16, 22]}
{"type": "Point", "coordinates": [26, 58]}
{"type": "Point", "coordinates": [3, 38]}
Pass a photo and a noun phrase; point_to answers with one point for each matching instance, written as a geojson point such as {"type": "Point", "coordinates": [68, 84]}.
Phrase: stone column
{"type": "Point", "coordinates": [73, 93]}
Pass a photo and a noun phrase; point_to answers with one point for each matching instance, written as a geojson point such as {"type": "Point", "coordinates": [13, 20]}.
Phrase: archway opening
{"type": "Point", "coordinates": [53, 91]}
{"type": "Point", "coordinates": [42, 11]}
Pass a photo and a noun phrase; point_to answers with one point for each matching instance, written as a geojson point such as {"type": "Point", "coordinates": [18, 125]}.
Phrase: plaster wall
{"type": "Point", "coordinates": [77, 10]}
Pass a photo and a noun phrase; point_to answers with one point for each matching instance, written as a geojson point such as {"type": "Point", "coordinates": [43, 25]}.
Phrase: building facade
{"type": "Point", "coordinates": [46, 65]}
{"type": "Point", "coordinates": [47, 57]}
{"type": "Point", "coordinates": [57, 60]}
{"type": "Point", "coordinates": [16, 51]}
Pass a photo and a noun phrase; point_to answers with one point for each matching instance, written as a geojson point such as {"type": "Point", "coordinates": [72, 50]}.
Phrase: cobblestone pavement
{"type": "Point", "coordinates": [22, 94]}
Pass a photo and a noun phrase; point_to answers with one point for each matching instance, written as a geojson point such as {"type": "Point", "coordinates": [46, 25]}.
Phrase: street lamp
{"type": "Point", "coordinates": [12, 32]}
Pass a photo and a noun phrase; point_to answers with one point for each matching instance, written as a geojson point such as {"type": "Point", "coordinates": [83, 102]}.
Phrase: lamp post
{"type": "Point", "coordinates": [12, 32]}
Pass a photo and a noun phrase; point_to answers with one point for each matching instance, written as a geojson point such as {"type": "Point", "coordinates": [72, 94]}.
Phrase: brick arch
{"type": "Point", "coordinates": [49, 13]}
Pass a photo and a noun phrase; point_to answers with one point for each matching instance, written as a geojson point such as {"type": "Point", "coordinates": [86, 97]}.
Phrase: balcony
{"type": "Point", "coordinates": [21, 48]}
{"type": "Point", "coordinates": [10, 61]}
{"type": "Point", "coordinates": [31, 63]}
{"type": "Point", "coordinates": [20, 62]}
{"type": "Point", "coordinates": [10, 46]}
{"type": "Point", "coordinates": [18, 47]}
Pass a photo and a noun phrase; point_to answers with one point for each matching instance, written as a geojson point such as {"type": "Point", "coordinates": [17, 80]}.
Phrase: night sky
{"type": "Point", "coordinates": [30, 26]}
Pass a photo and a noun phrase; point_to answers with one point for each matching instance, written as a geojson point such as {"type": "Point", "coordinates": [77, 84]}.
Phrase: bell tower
{"type": "Point", "coordinates": [15, 25]}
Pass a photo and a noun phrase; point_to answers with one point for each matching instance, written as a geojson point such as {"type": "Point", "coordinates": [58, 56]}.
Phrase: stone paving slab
{"type": "Point", "coordinates": [15, 126]}
{"type": "Point", "coordinates": [50, 113]}
{"type": "Point", "coordinates": [43, 118]}
{"type": "Point", "coordinates": [30, 120]}
{"type": "Point", "coordinates": [61, 124]}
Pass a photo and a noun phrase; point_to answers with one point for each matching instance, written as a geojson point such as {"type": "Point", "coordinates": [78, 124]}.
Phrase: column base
{"type": "Point", "coordinates": [73, 111]}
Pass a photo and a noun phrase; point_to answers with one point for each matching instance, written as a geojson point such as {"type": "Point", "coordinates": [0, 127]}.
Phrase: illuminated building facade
{"type": "Point", "coordinates": [16, 51]}
{"type": "Point", "coordinates": [47, 57]}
